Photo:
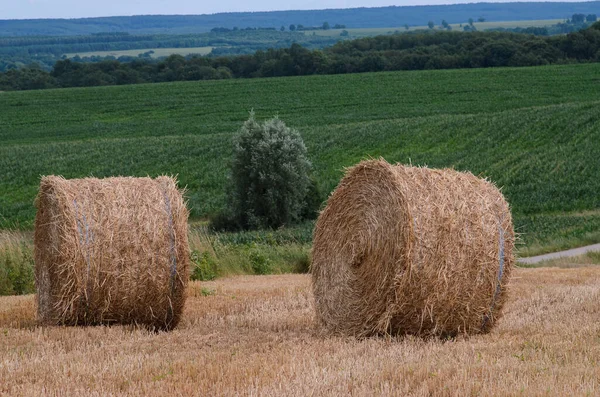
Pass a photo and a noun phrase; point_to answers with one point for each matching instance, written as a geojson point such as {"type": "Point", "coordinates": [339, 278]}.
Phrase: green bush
{"type": "Point", "coordinates": [302, 264]}
{"type": "Point", "coordinates": [260, 263]}
{"type": "Point", "coordinates": [269, 175]}
{"type": "Point", "coordinates": [205, 267]}
{"type": "Point", "coordinates": [16, 269]}
{"type": "Point", "coordinates": [313, 202]}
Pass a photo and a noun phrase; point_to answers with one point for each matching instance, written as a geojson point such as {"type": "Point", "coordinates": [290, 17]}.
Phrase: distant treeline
{"type": "Point", "coordinates": [575, 23]}
{"type": "Point", "coordinates": [426, 50]}
{"type": "Point", "coordinates": [16, 52]}
{"type": "Point", "coordinates": [364, 17]}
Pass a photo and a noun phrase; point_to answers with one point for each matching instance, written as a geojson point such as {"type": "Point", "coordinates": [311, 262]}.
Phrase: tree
{"type": "Point", "coordinates": [292, 27]}
{"type": "Point", "coordinates": [325, 26]}
{"type": "Point", "coordinates": [591, 18]}
{"type": "Point", "coordinates": [269, 175]}
{"type": "Point", "coordinates": [577, 18]}
{"type": "Point", "coordinates": [430, 24]}
{"type": "Point", "coordinates": [344, 33]}
{"type": "Point", "coordinates": [406, 26]}
{"type": "Point", "coordinates": [282, 28]}
{"type": "Point", "coordinates": [445, 24]}
{"type": "Point", "coordinates": [471, 21]}
{"type": "Point", "coordinates": [481, 19]}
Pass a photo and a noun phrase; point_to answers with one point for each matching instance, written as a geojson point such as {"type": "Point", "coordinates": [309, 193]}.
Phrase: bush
{"type": "Point", "coordinates": [260, 263]}
{"type": "Point", "coordinates": [269, 176]}
{"type": "Point", "coordinates": [205, 267]}
{"type": "Point", "coordinates": [314, 201]}
{"type": "Point", "coordinates": [16, 269]}
{"type": "Point", "coordinates": [302, 264]}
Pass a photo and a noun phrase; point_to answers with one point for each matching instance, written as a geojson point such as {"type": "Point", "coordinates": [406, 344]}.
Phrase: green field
{"type": "Point", "coordinates": [534, 131]}
{"type": "Point", "coordinates": [158, 52]}
{"type": "Point", "coordinates": [364, 32]}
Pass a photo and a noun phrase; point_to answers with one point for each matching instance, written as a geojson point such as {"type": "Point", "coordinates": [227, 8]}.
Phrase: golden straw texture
{"type": "Point", "coordinates": [111, 250]}
{"type": "Point", "coordinates": [409, 250]}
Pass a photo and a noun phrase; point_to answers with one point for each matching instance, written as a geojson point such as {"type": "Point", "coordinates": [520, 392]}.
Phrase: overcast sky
{"type": "Point", "coordinates": [20, 9]}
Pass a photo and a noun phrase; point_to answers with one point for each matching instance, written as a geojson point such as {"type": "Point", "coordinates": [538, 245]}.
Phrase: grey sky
{"type": "Point", "coordinates": [19, 9]}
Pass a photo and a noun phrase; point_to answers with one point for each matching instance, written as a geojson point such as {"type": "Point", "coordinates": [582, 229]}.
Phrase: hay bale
{"type": "Point", "coordinates": [408, 250]}
{"type": "Point", "coordinates": [111, 250]}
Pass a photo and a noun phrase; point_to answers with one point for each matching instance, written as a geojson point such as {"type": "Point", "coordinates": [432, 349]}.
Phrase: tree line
{"type": "Point", "coordinates": [408, 51]}
{"type": "Point", "coordinates": [16, 52]}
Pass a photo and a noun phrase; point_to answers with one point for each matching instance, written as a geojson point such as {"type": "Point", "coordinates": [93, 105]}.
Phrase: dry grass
{"type": "Point", "coordinates": [256, 336]}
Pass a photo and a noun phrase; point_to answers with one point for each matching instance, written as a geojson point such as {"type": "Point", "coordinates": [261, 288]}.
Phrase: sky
{"type": "Point", "coordinates": [25, 9]}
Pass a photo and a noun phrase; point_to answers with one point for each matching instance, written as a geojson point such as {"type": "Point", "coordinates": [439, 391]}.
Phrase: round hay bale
{"type": "Point", "coordinates": [409, 250]}
{"type": "Point", "coordinates": [111, 250]}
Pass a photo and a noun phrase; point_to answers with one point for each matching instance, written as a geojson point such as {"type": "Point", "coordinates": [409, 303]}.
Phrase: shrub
{"type": "Point", "coordinates": [16, 269]}
{"type": "Point", "coordinates": [260, 263]}
{"type": "Point", "coordinates": [269, 175]}
{"type": "Point", "coordinates": [205, 267]}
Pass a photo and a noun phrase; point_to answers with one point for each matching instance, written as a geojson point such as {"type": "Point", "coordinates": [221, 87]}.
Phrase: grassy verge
{"type": "Point", "coordinates": [287, 250]}
{"type": "Point", "coordinates": [255, 252]}
{"type": "Point", "coordinates": [212, 255]}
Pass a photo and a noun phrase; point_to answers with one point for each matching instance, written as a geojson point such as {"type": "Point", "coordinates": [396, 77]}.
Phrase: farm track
{"type": "Point", "coordinates": [255, 335]}
{"type": "Point", "coordinates": [561, 254]}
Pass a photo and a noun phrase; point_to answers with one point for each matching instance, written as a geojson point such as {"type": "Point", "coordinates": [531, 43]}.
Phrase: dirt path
{"type": "Point", "coordinates": [561, 254]}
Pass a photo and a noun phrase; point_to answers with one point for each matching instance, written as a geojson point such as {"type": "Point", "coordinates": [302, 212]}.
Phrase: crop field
{"type": "Point", "coordinates": [158, 52]}
{"type": "Point", "coordinates": [256, 335]}
{"type": "Point", "coordinates": [534, 131]}
{"type": "Point", "coordinates": [364, 32]}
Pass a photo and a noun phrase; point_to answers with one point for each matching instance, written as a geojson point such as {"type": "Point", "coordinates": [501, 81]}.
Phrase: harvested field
{"type": "Point", "coordinates": [255, 335]}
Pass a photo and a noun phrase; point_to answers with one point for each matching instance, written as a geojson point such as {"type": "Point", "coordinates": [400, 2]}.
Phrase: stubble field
{"type": "Point", "coordinates": [255, 335]}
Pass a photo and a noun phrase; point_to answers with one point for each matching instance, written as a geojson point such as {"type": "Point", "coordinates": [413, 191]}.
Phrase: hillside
{"type": "Point", "coordinates": [534, 131]}
{"type": "Point", "coordinates": [352, 17]}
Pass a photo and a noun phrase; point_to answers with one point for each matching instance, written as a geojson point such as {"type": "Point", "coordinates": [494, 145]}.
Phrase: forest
{"type": "Point", "coordinates": [16, 52]}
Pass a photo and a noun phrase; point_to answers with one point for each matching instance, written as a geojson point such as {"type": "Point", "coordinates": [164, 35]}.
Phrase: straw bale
{"type": "Point", "coordinates": [410, 250]}
{"type": "Point", "coordinates": [111, 250]}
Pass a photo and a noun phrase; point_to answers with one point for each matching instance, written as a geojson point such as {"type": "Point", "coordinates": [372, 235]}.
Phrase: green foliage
{"type": "Point", "coordinates": [313, 202]}
{"type": "Point", "coordinates": [260, 263]}
{"type": "Point", "coordinates": [204, 266]}
{"type": "Point", "coordinates": [16, 268]}
{"type": "Point", "coordinates": [269, 175]}
{"type": "Point", "coordinates": [534, 131]}
{"type": "Point", "coordinates": [253, 252]}
{"type": "Point", "coordinates": [302, 263]}
{"type": "Point", "coordinates": [544, 233]}
{"type": "Point", "coordinates": [415, 51]}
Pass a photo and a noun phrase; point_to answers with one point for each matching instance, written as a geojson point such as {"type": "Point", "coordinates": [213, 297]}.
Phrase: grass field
{"type": "Point", "coordinates": [158, 52]}
{"type": "Point", "coordinates": [534, 131]}
{"type": "Point", "coordinates": [364, 32]}
{"type": "Point", "coordinates": [255, 335]}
